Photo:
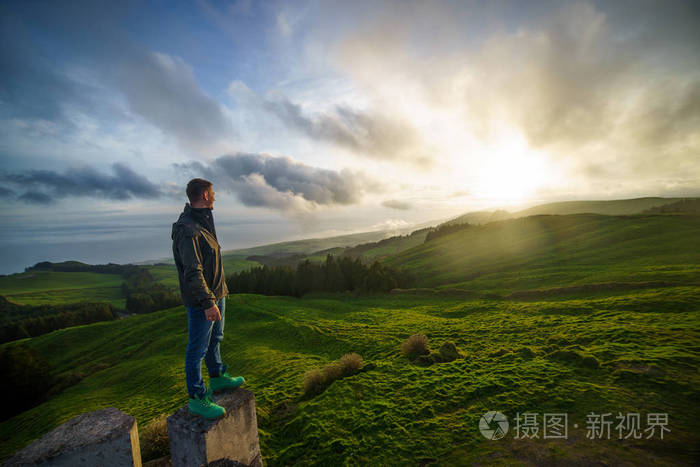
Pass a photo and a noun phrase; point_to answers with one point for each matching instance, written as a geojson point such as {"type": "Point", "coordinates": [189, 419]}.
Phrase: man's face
{"type": "Point", "coordinates": [209, 198]}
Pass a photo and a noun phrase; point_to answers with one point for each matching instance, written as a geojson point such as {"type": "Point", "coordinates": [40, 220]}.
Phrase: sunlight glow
{"type": "Point", "coordinates": [511, 171]}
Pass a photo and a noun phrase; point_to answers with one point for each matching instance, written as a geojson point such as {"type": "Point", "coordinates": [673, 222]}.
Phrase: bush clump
{"type": "Point", "coordinates": [153, 438]}
{"type": "Point", "coordinates": [415, 346]}
{"type": "Point", "coordinates": [350, 363]}
{"type": "Point", "coordinates": [448, 352]}
{"type": "Point", "coordinates": [314, 382]}
{"type": "Point", "coordinates": [317, 380]}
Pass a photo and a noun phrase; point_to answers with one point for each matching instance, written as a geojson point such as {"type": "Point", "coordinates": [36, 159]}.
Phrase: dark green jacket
{"type": "Point", "coordinates": [197, 256]}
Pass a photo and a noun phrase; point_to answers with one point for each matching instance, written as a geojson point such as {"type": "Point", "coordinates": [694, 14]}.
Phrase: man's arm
{"type": "Point", "coordinates": [192, 267]}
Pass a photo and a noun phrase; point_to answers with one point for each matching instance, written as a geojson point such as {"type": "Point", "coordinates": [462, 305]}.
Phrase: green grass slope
{"type": "Point", "coordinates": [520, 356]}
{"type": "Point", "coordinates": [557, 251]}
{"type": "Point", "coordinates": [311, 245]}
{"type": "Point", "coordinates": [54, 287]}
{"type": "Point", "coordinates": [376, 250]}
{"type": "Point", "coordinates": [614, 207]}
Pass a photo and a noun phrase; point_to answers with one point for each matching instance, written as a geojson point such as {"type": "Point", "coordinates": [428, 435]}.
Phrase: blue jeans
{"type": "Point", "coordinates": [204, 337]}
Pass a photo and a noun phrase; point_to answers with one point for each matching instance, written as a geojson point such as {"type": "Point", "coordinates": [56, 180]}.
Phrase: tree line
{"type": "Point", "coordinates": [20, 321]}
{"type": "Point", "coordinates": [145, 295]}
{"type": "Point", "coordinates": [332, 275]}
{"type": "Point", "coordinates": [77, 266]}
{"type": "Point", "coordinates": [445, 229]}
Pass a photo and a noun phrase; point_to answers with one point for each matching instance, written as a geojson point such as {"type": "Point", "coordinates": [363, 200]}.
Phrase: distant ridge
{"type": "Point", "coordinates": [615, 207]}
{"type": "Point", "coordinates": [342, 244]}
{"type": "Point", "coordinates": [618, 207]}
{"type": "Point", "coordinates": [546, 251]}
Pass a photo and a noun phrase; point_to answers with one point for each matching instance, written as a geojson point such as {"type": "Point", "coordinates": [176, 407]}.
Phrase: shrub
{"type": "Point", "coordinates": [314, 382]}
{"type": "Point", "coordinates": [153, 438]}
{"type": "Point", "coordinates": [350, 363]}
{"type": "Point", "coordinates": [448, 352]}
{"type": "Point", "coordinates": [332, 371]}
{"type": "Point", "coordinates": [415, 345]}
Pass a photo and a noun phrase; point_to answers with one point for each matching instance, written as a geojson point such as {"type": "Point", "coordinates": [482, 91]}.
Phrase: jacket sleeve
{"type": "Point", "coordinates": [193, 272]}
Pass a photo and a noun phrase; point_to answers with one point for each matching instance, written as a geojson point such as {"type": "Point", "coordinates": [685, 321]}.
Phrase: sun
{"type": "Point", "coordinates": [508, 170]}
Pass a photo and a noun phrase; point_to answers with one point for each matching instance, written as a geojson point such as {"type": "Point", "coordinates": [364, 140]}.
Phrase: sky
{"type": "Point", "coordinates": [319, 118]}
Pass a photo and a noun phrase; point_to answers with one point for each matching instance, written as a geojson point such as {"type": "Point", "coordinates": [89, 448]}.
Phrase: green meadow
{"type": "Point", "coordinates": [578, 314]}
{"type": "Point", "coordinates": [558, 251]}
{"type": "Point", "coordinates": [56, 287]}
{"type": "Point", "coordinates": [518, 357]}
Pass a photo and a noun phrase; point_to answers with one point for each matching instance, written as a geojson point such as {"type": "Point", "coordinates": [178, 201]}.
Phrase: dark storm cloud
{"type": "Point", "coordinates": [365, 133]}
{"type": "Point", "coordinates": [281, 182]}
{"type": "Point", "coordinates": [6, 193]}
{"type": "Point", "coordinates": [48, 186]}
{"type": "Point", "coordinates": [396, 204]}
{"type": "Point", "coordinates": [36, 82]}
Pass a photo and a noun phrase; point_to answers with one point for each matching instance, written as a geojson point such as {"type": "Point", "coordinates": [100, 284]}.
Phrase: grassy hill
{"type": "Point", "coordinates": [635, 352]}
{"type": "Point", "coordinates": [570, 314]}
{"type": "Point", "coordinates": [379, 249]}
{"type": "Point", "coordinates": [684, 206]}
{"type": "Point", "coordinates": [54, 287]}
{"type": "Point", "coordinates": [617, 207]}
{"type": "Point", "coordinates": [559, 251]}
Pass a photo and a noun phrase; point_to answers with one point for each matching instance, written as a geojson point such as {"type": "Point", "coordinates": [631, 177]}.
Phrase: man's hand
{"type": "Point", "coordinates": [213, 313]}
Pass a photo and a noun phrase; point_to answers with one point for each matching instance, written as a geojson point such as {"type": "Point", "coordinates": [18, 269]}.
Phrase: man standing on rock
{"type": "Point", "coordinates": [203, 288]}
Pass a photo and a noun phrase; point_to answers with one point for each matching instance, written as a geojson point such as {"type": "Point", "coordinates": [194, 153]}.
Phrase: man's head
{"type": "Point", "coordinates": [201, 193]}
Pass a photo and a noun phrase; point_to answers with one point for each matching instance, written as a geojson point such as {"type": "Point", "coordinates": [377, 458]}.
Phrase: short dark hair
{"type": "Point", "coordinates": [196, 187]}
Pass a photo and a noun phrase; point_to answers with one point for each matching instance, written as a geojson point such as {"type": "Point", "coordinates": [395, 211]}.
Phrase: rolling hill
{"type": "Point", "coordinates": [634, 352]}
{"type": "Point", "coordinates": [616, 207]}
{"type": "Point", "coordinates": [575, 313]}
{"type": "Point", "coordinates": [556, 251]}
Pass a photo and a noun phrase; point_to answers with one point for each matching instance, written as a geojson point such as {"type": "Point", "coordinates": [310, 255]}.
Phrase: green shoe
{"type": "Point", "coordinates": [225, 381]}
{"type": "Point", "coordinates": [206, 407]}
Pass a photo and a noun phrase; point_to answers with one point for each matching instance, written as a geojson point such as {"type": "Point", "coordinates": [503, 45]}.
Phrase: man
{"type": "Point", "coordinates": [203, 288]}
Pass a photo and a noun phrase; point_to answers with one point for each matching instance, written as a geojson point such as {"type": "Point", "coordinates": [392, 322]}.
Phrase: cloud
{"type": "Point", "coordinates": [163, 89]}
{"type": "Point", "coordinates": [393, 226]}
{"type": "Point", "coordinates": [6, 193]}
{"type": "Point", "coordinates": [366, 133]}
{"type": "Point", "coordinates": [48, 186]}
{"type": "Point", "coordinates": [280, 182]}
{"type": "Point", "coordinates": [615, 85]}
{"type": "Point", "coordinates": [396, 204]}
{"type": "Point", "coordinates": [576, 80]}
{"type": "Point", "coordinates": [92, 59]}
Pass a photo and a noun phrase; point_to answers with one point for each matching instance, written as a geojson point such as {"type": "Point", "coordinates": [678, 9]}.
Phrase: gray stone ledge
{"type": "Point", "coordinates": [104, 437]}
{"type": "Point", "coordinates": [196, 441]}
